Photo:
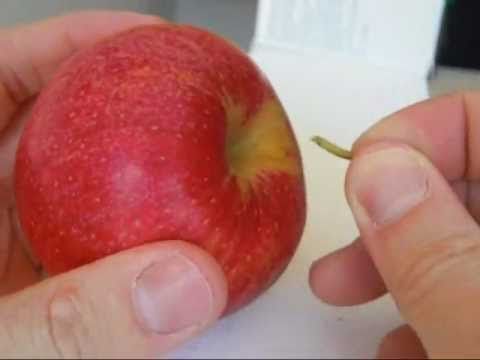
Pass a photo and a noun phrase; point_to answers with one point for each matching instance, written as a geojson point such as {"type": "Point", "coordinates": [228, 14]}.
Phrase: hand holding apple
{"type": "Point", "coordinates": [84, 312]}
{"type": "Point", "coordinates": [162, 132]}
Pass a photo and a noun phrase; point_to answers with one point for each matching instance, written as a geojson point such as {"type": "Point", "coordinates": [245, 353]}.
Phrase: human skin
{"type": "Point", "coordinates": [413, 189]}
{"type": "Point", "coordinates": [154, 297]}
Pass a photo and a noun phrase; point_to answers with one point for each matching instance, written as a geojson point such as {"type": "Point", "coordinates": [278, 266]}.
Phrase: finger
{"type": "Point", "coordinates": [138, 303]}
{"type": "Point", "coordinates": [17, 269]}
{"type": "Point", "coordinates": [30, 54]}
{"type": "Point", "coordinates": [423, 242]}
{"type": "Point", "coordinates": [18, 272]}
{"type": "Point", "coordinates": [401, 343]}
{"type": "Point", "coordinates": [346, 277]}
{"type": "Point", "coordinates": [444, 129]}
{"type": "Point", "coordinates": [5, 243]}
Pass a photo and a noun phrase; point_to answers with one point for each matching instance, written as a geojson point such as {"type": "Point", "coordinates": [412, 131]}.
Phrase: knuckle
{"type": "Point", "coordinates": [434, 267]}
{"type": "Point", "coordinates": [8, 335]}
{"type": "Point", "coordinates": [68, 320]}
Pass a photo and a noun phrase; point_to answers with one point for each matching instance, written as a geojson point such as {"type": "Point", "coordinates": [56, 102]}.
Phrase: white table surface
{"type": "Point", "coordinates": [338, 98]}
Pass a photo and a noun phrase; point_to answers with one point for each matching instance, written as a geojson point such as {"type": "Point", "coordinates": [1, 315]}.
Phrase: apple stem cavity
{"type": "Point", "coordinates": [332, 148]}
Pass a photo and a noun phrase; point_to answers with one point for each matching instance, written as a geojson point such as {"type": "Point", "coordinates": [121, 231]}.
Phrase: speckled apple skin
{"type": "Point", "coordinates": [128, 145]}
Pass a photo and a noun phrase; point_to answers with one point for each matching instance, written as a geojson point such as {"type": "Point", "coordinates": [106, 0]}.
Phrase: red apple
{"type": "Point", "coordinates": [162, 132]}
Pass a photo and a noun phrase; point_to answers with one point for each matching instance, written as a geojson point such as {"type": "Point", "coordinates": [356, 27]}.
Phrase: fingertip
{"type": "Point", "coordinates": [88, 26]}
{"type": "Point", "coordinates": [346, 277]}
{"type": "Point", "coordinates": [113, 16]}
{"type": "Point", "coordinates": [417, 125]}
{"type": "Point", "coordinates": [209, 267]}
{"type": "Point", "coordinates": [401, 343]}
{"type": "Point", "coordinates": [143, 257]}
{"type": "Point", "coordinates": [180, 292]}
{"type": "Point", "coordinates": [385, 183]}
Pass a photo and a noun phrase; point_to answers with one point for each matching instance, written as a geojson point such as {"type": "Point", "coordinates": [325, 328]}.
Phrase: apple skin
{"type": "Point", "coordinates": [162, 132]}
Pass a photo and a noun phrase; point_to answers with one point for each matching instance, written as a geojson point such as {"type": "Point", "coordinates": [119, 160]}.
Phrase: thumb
{"type": "Point", "coordinates": [138, 303]}
{"type": "Point", "coordinates": [423, 242]}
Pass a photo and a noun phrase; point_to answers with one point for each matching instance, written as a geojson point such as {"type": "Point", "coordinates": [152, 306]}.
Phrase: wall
{"type": "Point", "coordinates": [234, 19]}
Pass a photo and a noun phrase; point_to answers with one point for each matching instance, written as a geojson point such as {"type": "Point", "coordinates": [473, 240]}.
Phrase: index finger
{"type": "Point", "coordinates": [30, 54]}
{"type": "Point", "coordinates": [445, 129]}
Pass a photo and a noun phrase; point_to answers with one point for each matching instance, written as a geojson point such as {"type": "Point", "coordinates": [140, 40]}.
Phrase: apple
{"type": "Point", "coordinates": [162, 132]}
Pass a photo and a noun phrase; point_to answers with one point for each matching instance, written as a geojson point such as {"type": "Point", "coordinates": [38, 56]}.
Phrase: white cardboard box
{"type": "Point", "coordinates": [338, 66]}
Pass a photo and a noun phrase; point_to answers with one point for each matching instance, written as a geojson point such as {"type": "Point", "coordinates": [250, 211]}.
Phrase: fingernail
{"type": "Point", "coordinates": [387, 184]}
{"type": "Point", "coordinates": [171, 295]}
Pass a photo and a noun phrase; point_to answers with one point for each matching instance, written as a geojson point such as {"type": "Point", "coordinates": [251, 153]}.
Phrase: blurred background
{"type": "Point", "coordinates": [457, 62]}
{"type": "Point", "coordinates": [234, 19]}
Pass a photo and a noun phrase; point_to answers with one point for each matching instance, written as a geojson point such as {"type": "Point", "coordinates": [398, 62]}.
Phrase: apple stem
{"type": "Point", "coordinates": [332, 148]}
